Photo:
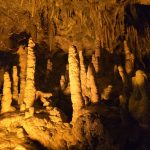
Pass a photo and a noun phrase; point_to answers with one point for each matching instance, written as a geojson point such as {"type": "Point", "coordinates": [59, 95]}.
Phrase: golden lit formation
{"type": "Point", "coordinates": [74, 75]}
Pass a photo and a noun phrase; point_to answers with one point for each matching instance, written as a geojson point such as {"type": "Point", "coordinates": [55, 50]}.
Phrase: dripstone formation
{"type": "Point", "coordinates": [74, 75]}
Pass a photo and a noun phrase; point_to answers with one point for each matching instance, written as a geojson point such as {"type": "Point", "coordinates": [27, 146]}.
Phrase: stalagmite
{"type": "Point", "coordinates": [75, 85]}
{"type": "Point", "coordinates": [139, 104]}
{"type": "Point", "coordinates": [22, 52]}
{"type": "Point", "coordinates": [82, 75]}
{"type": "Point", "coordinates": [7, 96]}
{"type": "Point", "coordinates": [95, 63]}
{"type": "Point", "coordinates": [91, 85]}
{"type": "Point", "coordinates": [30, 90]}
{"type": "Point", "coordinates": [49, 65]}
{"type": "Point", "coordinates": [121, 73]}
{"type": "Point", "coordinates": [15, 83]}
{"type": "Point", "coordinates": [129, 59]}
{"type": "Point", "coordinates": [106, 93]}
{"type": "Point", "coordinates": [62, 82]}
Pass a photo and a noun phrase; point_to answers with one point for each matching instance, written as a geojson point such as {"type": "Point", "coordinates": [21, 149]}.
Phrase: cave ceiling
{"type": "Point", "coordinates": [59, 23]}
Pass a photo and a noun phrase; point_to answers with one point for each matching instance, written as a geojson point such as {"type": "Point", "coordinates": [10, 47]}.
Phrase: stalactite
{"type": "Point", "coordinates": [22, 52]}
{"type": "Point", "coordinates": [75, 85]}
{"type": "Point", "coordinates": [51, 34]}
{"type": "Point", "coordinates": [129, 59]}
{"type": "Point", "coordinates": [7, 95]}
{"type": "Point", "coordinates": [33, 7]}
{"type": "Point", "coordinates": [15, 83]}
{"type": "Point", "coordinates": [82, 75]}
{"type": "Point", "coordinates": [91, 85]}
{"type": "Point", "coordinates": [30, 90]}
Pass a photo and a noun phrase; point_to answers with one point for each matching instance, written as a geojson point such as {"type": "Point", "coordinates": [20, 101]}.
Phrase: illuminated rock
{"type": "Point", "coordinates": [75, 84]}
{"type": "Point", "coordinates": [44, 97]}
{"type": "Point", "coordinates": [82, 75]}
{"type": "Point", "coordinates": [22, 52]}
{"type": "Point", "coordinates": [7, 95]}
{"type": "Point", "coordinates": [29, 95]}
{"type": "Point", "coordinates": [91, 85]}
{"type": "Point", "coordinates": [15, 83]}
{"type": "Point", "coordinates": [30, 113]}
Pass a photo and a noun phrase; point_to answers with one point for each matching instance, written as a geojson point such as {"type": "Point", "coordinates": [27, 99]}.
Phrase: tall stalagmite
{"type": "Point", "coordinates": [91, 84]}
{"type": "Point", "coordinates": [22, 52]}
{"type": "Point", "coordinates": [15, 83]}
{"type": "Point", "coordinates": [82, 74]}
{"type": "Point", "coordinates": [7, 95]}
{"type": "Point", "coordinates": [30, 90]}
{"type": "Point", "coordinates": [75, 85]}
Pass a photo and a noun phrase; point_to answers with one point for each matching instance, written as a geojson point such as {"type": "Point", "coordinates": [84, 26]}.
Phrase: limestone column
{"type": "Point", "coordinates": [30, 90]}
{"type": "Point", "coordinates": [75, 85]}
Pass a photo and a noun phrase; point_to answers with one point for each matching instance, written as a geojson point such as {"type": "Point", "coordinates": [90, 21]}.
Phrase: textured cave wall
{"type": "Point", "coordinates": [59, 23]}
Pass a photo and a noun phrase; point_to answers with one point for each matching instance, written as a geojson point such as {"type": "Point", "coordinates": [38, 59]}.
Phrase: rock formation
{"type": "Point", "coordinates": [62, 82]}
{"type": "Point", "coordinates": [91, 85]}
{"type": "Point", "coordinates": [106, 93]}
{"type": "Point", "coordinates": [29, 95]}
{"type": "Point", "coordinates": [22, 52]}
{"type": "Point", "coordinates": [69, 99]}
{"type": "Point", "coordinates": [139, 101]}
{"type": "Point", "coordinates": [82, 75]}
{"type": "Point", "coordinates": [75, 84]}
{"type": "Point", "coordinates": [15, 83]}
{"type": "Point", "coordinates": [129, 59]}
{"type": "Point", "coordinates": [122, 73]}
{"type": "Point", "coordinates": [7, 95]}
{"type": "Point", "coordinates": [97, 56]}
